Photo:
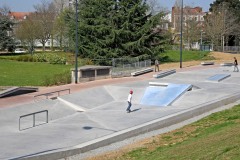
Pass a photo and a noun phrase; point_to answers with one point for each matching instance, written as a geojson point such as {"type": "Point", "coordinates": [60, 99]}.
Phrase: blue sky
{"type": "Point", "coordinates": [27, 5]}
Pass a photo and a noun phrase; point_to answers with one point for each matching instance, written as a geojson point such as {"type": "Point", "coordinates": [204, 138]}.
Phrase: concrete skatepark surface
{"type": "Point", "coordinates": [95, 117]}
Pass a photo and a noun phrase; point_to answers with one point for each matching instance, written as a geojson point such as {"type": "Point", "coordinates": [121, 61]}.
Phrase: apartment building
{"type": "Point", "coordinates": [189, 13]}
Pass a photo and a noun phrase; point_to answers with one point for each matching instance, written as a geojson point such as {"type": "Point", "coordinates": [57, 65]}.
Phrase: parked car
{"type": "Point", "coordinates": [19, 50]}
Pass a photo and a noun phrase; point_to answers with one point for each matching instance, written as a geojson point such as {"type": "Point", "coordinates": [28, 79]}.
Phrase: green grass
{"type": "Point", "coordinates": [15, 73]}
{"type": "Point", "coordinates": [174, 56]}
{"type": "Point", "coordinates": [214, 137]}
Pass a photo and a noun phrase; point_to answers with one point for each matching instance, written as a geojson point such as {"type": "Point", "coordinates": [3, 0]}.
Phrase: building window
{"type": "Point", "coordinates": [196, 18]}
{"type": "Point", "coordinates": [202, 19]}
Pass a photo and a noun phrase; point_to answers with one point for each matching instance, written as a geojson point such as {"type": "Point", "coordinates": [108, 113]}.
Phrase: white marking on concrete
{"type": "Point", "coordinates": [74, 106]}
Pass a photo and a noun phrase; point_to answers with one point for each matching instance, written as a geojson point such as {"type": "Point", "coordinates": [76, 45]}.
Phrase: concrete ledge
{"type": "Point", "coordinates": [146, 70]}
{"type": "Point", "coordinates": [219, 77]}
{"type": "Point", "coordinates": [137, 130]}
{"type": "Point", "coordinates": [164, 73]}
{"type": "Point", "coordinates": [226, 64]}
{"type": "Point", "coordinates": [207, 63]}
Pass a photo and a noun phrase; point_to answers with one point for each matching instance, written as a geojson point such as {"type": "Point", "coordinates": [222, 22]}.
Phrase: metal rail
{"type": "Point", "coordinates": [50, 93]}
{"type": "Point", "coordinates": [32, 114]}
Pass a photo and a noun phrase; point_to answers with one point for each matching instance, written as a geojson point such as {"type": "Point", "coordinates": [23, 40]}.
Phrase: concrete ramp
{"type": "Point", "coordinates": [219, 77]}
{"type": "Point", "coordinates": [88, 99]}
{"type": "Point", "coordinates": [164, 95]}
{"type": "Point", "coordinates": [14, 91]}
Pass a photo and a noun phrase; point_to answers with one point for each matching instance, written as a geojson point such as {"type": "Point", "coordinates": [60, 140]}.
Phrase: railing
{"type": "Point", "coordinates": [34, 120]}
{"type": "Point", "coordinates": [230, 49]}
{"type": "Point", "coordinates": [50, 94]}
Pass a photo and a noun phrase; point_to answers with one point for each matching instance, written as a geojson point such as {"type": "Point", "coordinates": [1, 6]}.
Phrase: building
{"type": "Point", "coordinates": [189, 13]}
{"type": "Point", "coordinates": [193, 21]}
{"type": "Point", "coordinates": [18, 16]}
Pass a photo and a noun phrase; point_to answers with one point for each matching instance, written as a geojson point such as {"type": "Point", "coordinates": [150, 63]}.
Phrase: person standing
{"type": "Point", "coordinates": [129, 100]}
{"type": "Point", "coordinates": [235, 65]}
{"type": "Point", "coordinates": [156, 65]}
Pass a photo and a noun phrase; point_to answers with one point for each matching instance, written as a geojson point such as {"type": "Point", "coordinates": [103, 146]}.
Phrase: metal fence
{"type": "Point", "coordinates": [230, 49]}
{"type": "Point", "coordinates": [125, 66]}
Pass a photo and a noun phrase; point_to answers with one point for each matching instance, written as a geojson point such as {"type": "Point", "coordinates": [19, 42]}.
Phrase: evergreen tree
{"type": "Point", "coordinates": [6, 40]}
{"type": "Point", "coordinates": [116, 28]}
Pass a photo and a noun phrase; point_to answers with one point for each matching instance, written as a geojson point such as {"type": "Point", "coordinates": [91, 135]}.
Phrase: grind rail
{"type": "Point", "coordinates": [34, 119]}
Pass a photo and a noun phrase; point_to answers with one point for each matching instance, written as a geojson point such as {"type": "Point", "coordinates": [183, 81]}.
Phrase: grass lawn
{"type": "Point", "coordinates": [214, 137]}
{"type": "Point", "coordinates": [15, 73]}
{"type": "Point", "coordinates": [173, 56]}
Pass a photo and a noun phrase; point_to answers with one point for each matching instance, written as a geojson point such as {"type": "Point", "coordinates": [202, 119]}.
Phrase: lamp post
{"type": "Point", "coordinates": [201, 41]}
{"type": "Point", "coordinates": [76, 45]}
{"type": "Point", "coordinates": [181, 43]}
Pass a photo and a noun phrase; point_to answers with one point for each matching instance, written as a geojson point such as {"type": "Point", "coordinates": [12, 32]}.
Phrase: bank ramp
{"type": "Point", "coordinates": [163, 95]}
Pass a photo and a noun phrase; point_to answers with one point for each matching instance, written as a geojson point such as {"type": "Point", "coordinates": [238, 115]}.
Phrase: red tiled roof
{"type": "Point", "coordinates": [192, 11]}
{"type": "Point", "coordinates": [18, 15]}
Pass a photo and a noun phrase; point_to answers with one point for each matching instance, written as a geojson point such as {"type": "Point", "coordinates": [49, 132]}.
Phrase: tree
{"type": "Point", "coordinates": [60, 27]}
{"type": "Point", "coordinates": [232, 5]}
{"type": "Point", "coordinates": [44, 19]}
{"type": "Point", "coordinates": [110, 28]}
{"type": "Point", "coordinates": [221, 23]}
{"type": "Point", "coordinates": [26, 33]}
{"type": "Point", "coordinates": [6, 38]}
{"type": "Point", "coordinates": [191, 32]}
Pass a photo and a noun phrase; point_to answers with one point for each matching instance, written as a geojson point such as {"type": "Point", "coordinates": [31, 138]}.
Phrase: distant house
{"type": "Point", "coordinates": [189, 14]}
{"type": "Point", "coordinates": [18, 17]}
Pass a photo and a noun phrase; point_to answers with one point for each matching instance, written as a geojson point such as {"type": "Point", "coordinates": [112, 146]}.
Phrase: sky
{"type": "Point", "coordinates": [27, 5]}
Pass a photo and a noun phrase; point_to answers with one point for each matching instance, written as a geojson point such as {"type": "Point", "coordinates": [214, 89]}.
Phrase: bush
{"type": "Point", "coordinates": [58, 79]}
{"type": "Point", "coordinates": [26, 58]}
{"type": "Point", "coordinates": [50, 58]}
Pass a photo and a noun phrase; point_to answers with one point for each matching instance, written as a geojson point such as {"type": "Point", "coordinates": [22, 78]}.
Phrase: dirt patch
{"type": "Point", "coordinates": [219, 58]}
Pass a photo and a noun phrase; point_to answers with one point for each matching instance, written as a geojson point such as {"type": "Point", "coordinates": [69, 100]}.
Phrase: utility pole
{"type": "Point", "coordinates": [76, 45]}
{"type": "Point", "coordinates": [181, 44]}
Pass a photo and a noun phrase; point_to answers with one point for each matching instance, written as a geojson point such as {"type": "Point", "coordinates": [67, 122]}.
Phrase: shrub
{"type": "Point", "coordinates": [58, 79]}
{"type": "Point", "coordinates": [50, 58]}
{"type": "Point", "coordinates": [26, 58]}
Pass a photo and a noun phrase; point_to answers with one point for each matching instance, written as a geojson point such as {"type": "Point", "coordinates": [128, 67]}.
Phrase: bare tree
{"type": "Point", "coordinates": [220, 24]}
{"type": "Point", "coordinates": [44, 18]}
{"type": "Point", "coordinates": [26, 33]}
{"type": "Point", "coordinates": [155, 7]}
{"type": "Point", "coordinates": [4, 10]}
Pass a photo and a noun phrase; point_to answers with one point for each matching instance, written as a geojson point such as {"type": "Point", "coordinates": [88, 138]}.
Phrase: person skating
{"type": "Point", "coordinates": [129, 100]}
{"type": "Point", "coordinates": [235, 65]}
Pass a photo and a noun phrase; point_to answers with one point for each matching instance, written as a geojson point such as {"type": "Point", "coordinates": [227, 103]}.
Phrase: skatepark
{"type": "Point", "coordinates": [73, 123]}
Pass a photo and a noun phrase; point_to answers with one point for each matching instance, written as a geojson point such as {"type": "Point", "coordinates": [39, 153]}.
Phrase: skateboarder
{"type": "Point", "coordinates": [156, 66]}
{"type": "Point", "coordinates": [129, 100]}
{"type": "Point", "coordinates": [235, 65]}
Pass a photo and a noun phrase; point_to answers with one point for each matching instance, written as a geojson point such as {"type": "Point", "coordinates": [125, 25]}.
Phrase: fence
{"type": "Point", "coordinates": [124, 66]}
{"type": "Point", "coordinates": [230, 49]}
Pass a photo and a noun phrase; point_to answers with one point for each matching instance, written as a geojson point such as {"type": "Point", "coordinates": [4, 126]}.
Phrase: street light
{"type": "Point", "coordinates": [181, 35]}
{"type": "Point", "coordinates": [201, 40]}
{"type": "Point", "coordinates": [76, 45]}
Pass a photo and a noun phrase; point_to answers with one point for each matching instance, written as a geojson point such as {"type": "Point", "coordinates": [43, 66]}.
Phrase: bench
{"type": "Point", "coordinates": [164, 73]}
{"type": "Point", "coordinates": [146, 70]}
